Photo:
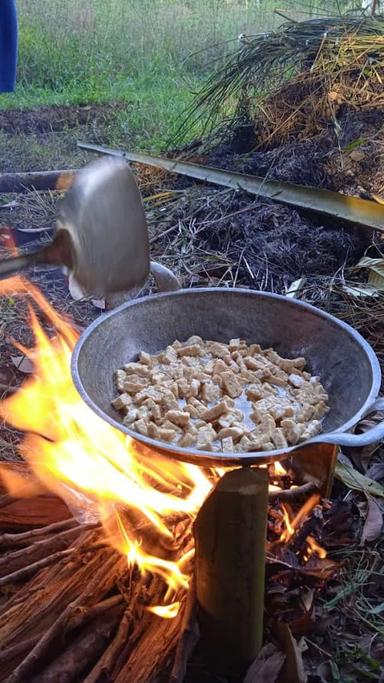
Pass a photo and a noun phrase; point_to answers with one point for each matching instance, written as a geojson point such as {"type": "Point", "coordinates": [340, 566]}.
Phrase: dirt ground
{"type": "Point", "coordinates": [45, 138]}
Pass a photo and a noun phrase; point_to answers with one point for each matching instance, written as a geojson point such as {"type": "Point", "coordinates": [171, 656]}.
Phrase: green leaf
{"type": "Point", "coordinates": [357, 481]}
{"type": "Point", "coordinates": [350, 209]}
{"type": "Point", "coordinates": [353, 145]}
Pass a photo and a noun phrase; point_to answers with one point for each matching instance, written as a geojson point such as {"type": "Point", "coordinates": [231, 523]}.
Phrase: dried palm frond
{"type": "Point", "coordinates": [280, 77]}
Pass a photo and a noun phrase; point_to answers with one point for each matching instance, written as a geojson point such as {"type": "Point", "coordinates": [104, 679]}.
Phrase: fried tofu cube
{"type": "Point", "coordinates": [187, 440]}
{"type": "Point", "coordinates": [153, 430]}
{"type": "Point", "coordinates": [219, 366]}
{"type": "Point", "coordinates": [120, 377]}
{"type": "Point", "coordinates": [255, 349]}
{"type": "Point", "coordinates": [130, 417]}
{"type": "Point", "coordinates": [251, 363]}
{"type": "Point", "coordinates": [183, 387]}
{"type": "Point", "coordinates": [291, 364]}
{"type": "Point", "coordinates": [267, 425]}
{"type": "Point", "coordinates": [234, 432]}
{"type": "Point", "coordinates": [190, 350]}
{"type": "Point", "coordinates": [258, 442]}
{"type": "Point", "coordinates": [296, 380]}
{"type": "Point", "coordinates": [245, 443]}
{"type": "Point", "coordinates": [227, 445]}
{"type": "Point", "coordinates": [210, 392]}
{"type": "Point", "coordinates": [158, 377]}
{"type": "Point", "coordinates": [218, 350]}
{"type": "Point", "coordinates": [305, 413]}
{"type": "Point", "coordinates": [227, 420]}
{"type": "Point", "coordinates": [231, 385]}
{"type": "Point", "coordinates": [122, 402]}
{"type": "Point", "coordinates": [254, 392]}
{"type": "Point", "coordinates": [278, 438]}
{"type": "Point", "coordinates": [238, 359]}
{"type": "Point", "coordinates": [141, 426]}
{"type": "Point", "coordinates": [195, 339]}
{"type": "Point", "coordinates": [165, 434]}
{"type": "Point", "coordinates": [156, 412]}
{"type": "Point", "coordinates": [194, 388]}
{"type": "Point", "coordinates": [320, 410]}
{"type": "Point", "coordinates": [311, 429]}
{"type": "Point", "coordinates": [168, 356]}
{"type": "Point", "coordinates": [137, 369]}
{"type": "Point", "coordinates": [178, 417]}
{"type": "Point", "coordinates": [168, 401]}
{"type": "Point", "coordinates": [133, 384]}
{"type": "Point", "coordinates": [291, 430]}
{"type": "Point", "coordinates": [235, 344]}
{"type": "Point", "coordinates": [153, 393]}
{"type": "Point", "coordinates": [205, 436]}
{"type": "Point", "coordinates": [198, 406]}
{"type": "Point", "coordinates": [212, 414]}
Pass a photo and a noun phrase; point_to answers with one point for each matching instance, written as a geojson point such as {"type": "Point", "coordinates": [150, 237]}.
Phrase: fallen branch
{"type": "Point", "coordinates": [36, 180]}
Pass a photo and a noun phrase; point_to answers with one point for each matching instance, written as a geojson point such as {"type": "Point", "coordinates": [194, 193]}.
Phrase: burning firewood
{"type": "Point", "coordinates": [97, 562]}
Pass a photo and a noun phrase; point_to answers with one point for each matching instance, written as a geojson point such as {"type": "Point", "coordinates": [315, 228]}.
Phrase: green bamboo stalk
{"type": "Point", "coordinates": [230, 537]}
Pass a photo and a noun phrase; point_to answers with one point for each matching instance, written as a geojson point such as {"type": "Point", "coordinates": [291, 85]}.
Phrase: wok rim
{"type": "Point", "coordinates": [212, 458]}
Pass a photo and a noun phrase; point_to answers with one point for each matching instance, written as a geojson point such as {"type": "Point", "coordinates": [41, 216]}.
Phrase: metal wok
{"type": "Point", "coordinates": [346, 364]}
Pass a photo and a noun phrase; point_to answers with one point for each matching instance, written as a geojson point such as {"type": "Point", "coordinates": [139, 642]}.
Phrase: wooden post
{"type": "Point", "coordinates": [316, 463]}
{"type": "Point", "coordinates": [230, 536]}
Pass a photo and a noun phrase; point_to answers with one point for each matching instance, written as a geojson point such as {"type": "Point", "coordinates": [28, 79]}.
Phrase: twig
{"type": "Point", "coordinates": [12, 562]}
{"type": "Point", "coordinates": [84, 614]}
{"type": "Point", "coordinates": [188, 638]}
{"type": "Point", "coordinates": [13, 651]}
{"type": "Point", "coordinates": [87, 647]}
{"type": "Point", "coordinates": [106, 663]}
{"type": "Point", "coordinates": [102, 581]}
{"type": "Point", "coordinates": [25, 572]}
{"type": "Point", "coordinates": [294, 493]}
{"type": "Point", "coordinates": [24, 538]}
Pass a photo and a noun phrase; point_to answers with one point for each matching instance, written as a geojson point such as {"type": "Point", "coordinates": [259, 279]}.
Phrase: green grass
{"type": "Point", "coordinates": [149, 54]}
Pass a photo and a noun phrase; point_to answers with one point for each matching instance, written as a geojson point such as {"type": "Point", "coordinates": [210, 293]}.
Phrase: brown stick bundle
{"type": "Point", "coordinates": [78, 611]}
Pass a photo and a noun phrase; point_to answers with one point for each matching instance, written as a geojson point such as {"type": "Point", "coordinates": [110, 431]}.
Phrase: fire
{"type": "Point", "coordinates": [139, 497]}
{"type": "Point", "coordinates": [98, 471]}
{"type": "Point", "coordinates": [291, 525]}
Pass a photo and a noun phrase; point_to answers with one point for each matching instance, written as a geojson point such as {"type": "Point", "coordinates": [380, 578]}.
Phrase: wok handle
{"type": "Point", "coordinates": [166, 281]}
{"type": "Point", "coordinates": [355, 440]}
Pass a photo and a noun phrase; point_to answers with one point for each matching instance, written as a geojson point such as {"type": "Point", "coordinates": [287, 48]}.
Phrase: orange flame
{"type": "Point", "coordinates": [292, 524]}
{"type": "Point", "coordinates": [92, 466]}
{"type": "Point", "coordinates": [101, 473]}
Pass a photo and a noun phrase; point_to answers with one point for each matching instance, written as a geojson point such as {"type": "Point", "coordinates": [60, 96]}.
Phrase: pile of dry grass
{"type": "Point", "coordinates": [348, 72]}
{"type": "Point", "coordinates": [294, 82]}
